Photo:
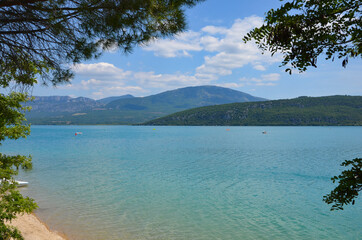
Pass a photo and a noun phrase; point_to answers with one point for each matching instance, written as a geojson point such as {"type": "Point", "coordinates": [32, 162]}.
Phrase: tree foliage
{"type": "Point", "coordinates": [301, 30]}
{"type": "Point", "coordinates": [41, 39]}
{"type": "Point", "coordinates": [11, 127]}
{"type": "Point", "coordinates": [301, 111]}
{"type": "Point", "coordinates": [349, 185]}
{"type": "Point", "coordinates": [304, 29]}
{"type": "Point", "coordinates": [49, 35]}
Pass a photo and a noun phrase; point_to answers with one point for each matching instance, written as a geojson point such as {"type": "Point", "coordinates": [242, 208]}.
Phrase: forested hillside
{"type": "Point", "coordinates": [302, 111]}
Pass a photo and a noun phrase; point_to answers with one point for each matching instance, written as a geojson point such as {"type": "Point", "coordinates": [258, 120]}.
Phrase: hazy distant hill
{"type": "Point", "coordinates": [63, 104]}
{"type": "Point", "coordinates": [111, 99]}
{"type": "Point", "coordinates": [332, 110]}
{"type": "Point", "coordinates": [128, 109]}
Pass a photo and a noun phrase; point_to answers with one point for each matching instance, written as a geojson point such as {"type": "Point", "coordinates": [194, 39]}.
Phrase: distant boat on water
{"type": "Point", "coordinates": [78, 133]}
{"type": "Point", "coordinates": [264, 132]}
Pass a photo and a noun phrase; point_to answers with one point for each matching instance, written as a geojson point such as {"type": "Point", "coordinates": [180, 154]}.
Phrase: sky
{"type": "Point", "coordinates": [209, 52]}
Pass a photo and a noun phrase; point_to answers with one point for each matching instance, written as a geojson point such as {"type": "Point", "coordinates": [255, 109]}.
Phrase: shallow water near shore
{"type": "Point", "coordinates": [140, 182]}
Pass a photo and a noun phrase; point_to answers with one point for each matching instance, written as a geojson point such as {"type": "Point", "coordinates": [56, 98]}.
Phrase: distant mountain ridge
{"type": "Point", "coordinates": [62, 104]}
{"type": "Point", "coordinates": [111, 99]}
{"type": "Point", "coordinates": [184, 98]}
{"type": "Point", "coordinates": [128, 109]}
{"type": "Point", "coordinates": [302, 111]}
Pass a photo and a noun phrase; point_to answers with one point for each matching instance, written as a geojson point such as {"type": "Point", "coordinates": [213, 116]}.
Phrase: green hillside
{"type": "Point", "coordinates": [93, 117]}
{"type": "Point", "coordinates": [128, 109]}
{"type": "Point", "coordinates": [302, 111]}
{"type": "Point", "coordinates": [183, 98]}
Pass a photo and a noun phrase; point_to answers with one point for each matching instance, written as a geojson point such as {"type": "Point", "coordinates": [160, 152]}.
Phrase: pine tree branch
{"type": "Point", "coordinates": [10, 3]}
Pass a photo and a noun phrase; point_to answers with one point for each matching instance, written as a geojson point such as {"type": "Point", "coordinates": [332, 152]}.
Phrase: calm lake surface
{"type": "Point", "coordinates": [139, 182]}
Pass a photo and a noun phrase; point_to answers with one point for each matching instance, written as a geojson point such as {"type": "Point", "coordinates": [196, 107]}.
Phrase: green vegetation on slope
{"type": "Point", "coordinates": [128, 109]}
{"type": "Point", "coordinates": [302, 111]}
{"type": "Point", "coordinates": [100, 117]}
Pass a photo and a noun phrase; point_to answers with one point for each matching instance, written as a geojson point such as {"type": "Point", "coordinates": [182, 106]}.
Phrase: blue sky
{"type": "Point", "coordinates": [209, 52]}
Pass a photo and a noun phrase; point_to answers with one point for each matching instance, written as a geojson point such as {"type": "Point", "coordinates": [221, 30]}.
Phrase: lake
{"type": "Point", "coordinates": [142, 182]}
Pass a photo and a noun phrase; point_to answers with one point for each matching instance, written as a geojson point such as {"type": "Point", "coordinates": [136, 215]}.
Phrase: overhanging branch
{"type": "Point", "coordinates": [9, 3]}
{"type": "Point", "coordinates": [23, 32]}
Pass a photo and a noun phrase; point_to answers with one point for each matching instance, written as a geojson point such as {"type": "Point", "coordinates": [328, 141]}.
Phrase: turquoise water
{"type": "Point", "coordinates": [136, 182]}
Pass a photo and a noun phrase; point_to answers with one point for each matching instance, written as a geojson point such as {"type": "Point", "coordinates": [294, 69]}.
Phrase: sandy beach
{"type": "Point", "coordinates": [34, 229]}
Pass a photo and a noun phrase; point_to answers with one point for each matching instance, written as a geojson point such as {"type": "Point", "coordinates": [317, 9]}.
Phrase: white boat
{"type": "Point", "coordinates": [19, 183]}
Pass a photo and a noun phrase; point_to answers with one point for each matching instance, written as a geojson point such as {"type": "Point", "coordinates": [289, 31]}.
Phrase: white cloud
{"type": "Point", "coordinates": [99, 69]}
{"type": "Point", "coordinates": [259, 67]}
{"type": "Point", "coordinates": [223, 49]}
{"type": "Point", "coordinates": [271, 77]}
{"type": "Point", "coordinates": [210, 43]}
{"type": "Point", "coordinates": [230, 51]}
{"type": "Point", "coordinates": [265, 80]}
{"type": "Point", "coordinates": [214, 30]}
{"type": "Point", "coordinates": [181, 45]}
{"type": "Point", "coordinates": [104, 79]}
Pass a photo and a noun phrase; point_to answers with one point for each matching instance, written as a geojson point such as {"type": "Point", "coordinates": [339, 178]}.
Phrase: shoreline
{"type": "Point", "coordinates": [33, 228]}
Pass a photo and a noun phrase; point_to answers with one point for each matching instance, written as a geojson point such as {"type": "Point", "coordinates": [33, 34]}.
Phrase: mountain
{"type": "Point", "coordinates": [302, 111]}
{"type": "Point", "coordinates": [128, 109]}
{"type": "Point", "coordinates": [183, 98]}
{"type": "Point", "coordinates": [62, 104]}
{"type": "Point", "coordinates": [69, 104]}
{"type": "Point", "coordinates": [111, 99]}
